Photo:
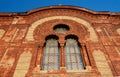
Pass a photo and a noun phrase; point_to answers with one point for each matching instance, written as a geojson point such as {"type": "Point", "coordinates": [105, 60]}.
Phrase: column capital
{"type": "Point", "coordinates": [61, 44]}
{"type": "Point", "coordinates": [82, 44]}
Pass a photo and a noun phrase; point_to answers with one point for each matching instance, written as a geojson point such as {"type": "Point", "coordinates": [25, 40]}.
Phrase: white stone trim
{"type": "Point", "coordinates": [93, 36]}
{"type": "Point", "coordinates": [102, 63]}
{"type": "Point", "coordinates": [23, 64]}
{"type": "Point", "coordinates": [118, 31]}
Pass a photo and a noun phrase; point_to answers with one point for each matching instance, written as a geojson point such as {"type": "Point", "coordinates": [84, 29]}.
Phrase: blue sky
{"type": "Point", "coordinates": [25, 5]}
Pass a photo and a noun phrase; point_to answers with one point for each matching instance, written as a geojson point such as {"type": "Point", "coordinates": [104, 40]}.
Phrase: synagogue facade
{"type": "Point", "coordinates": [60, 41]}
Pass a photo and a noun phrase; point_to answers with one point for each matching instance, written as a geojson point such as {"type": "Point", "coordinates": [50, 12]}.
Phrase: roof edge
{"type": "Point", "coordinates": [57, 7]}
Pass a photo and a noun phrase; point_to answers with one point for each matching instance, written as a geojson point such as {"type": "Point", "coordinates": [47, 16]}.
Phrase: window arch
{"type": "Point", "coordinates": [61, 28]}
{"type": "Point", "coordinates": [51, 54]}
{"type": "Point", "coordinates": [73, 55]}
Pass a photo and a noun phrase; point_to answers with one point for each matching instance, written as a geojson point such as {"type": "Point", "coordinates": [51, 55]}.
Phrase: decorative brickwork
{"type": "Point", "coordinates": [25, 36]}
{"type": "Point", "coordinates": [93, 35]}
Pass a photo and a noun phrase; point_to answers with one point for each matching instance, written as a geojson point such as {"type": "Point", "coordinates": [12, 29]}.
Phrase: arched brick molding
{"type": "Point", "coordinates": [93, 36]}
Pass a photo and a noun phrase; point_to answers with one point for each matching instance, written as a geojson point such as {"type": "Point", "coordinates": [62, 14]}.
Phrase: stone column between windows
{"type": "Point", "coordinates": [85, 57]}
{"type": "Point", "coordinates": [62, 55]}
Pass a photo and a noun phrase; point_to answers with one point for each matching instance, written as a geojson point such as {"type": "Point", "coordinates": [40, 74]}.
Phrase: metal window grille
{"type": "Point", "coordinates": [51, 55]}
{"type": "Point", "coordinates": [73, 55]}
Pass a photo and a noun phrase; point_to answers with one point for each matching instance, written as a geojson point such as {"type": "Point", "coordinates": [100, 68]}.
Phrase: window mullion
{"type": "Point", "coordinates": [76, 55]}
{"type": "Point", "coordinates": [54, 62]}
{"type": "Point", "coordinates": [48, 58]}
{"type": "Point", "coordinates": [62, 56]}
{"type": "Point", "coordinates": [70, 57]}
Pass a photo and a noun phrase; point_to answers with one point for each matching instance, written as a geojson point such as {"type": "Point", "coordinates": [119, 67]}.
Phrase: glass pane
{"type": "Point", "coordinates": [81, 66]}
{"type": "Point", "coordinates": [73, 56]}
{"type": "Point", "coordinates": [61, 28]}
{"type": "Point", "coordinates": [51, 55]}
{"type": "Point", "coordinates": [74, 66]}
{"type": "Point", "coordinates": [68, 66]}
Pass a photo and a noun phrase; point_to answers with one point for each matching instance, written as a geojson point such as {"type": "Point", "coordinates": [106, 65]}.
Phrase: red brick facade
{"type": "Point", "coordinates": [22, 40]}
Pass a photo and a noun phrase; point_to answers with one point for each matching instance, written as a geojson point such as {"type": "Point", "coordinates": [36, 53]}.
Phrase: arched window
{"type": "Point", "coordinates": [51, 54]}
{"type": "Point", "coordinates": [73, 54]}
{"type": "Point", "coordinates": [61, 28]}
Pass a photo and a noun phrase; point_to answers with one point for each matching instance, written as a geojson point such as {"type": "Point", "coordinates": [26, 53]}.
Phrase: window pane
{"type": "Point", "coordinates": [51, 55]}
{"type": "Point", "coordinates": [73, 55]}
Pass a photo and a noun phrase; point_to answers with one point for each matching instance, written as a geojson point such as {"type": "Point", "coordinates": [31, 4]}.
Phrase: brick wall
{"type": "Point", "coordinates": [22, 40]}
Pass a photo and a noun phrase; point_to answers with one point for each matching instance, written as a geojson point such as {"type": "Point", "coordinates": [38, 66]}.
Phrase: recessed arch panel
{"type": "Point", "coordinates": [29, 37]}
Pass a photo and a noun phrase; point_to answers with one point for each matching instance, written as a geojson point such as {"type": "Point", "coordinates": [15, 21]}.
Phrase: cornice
{"type": "Point", "coordinates": [58, 7]}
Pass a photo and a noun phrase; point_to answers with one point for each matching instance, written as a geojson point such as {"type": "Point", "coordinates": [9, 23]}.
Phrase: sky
{"type": "Point", "coordinates": [26, 5]}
